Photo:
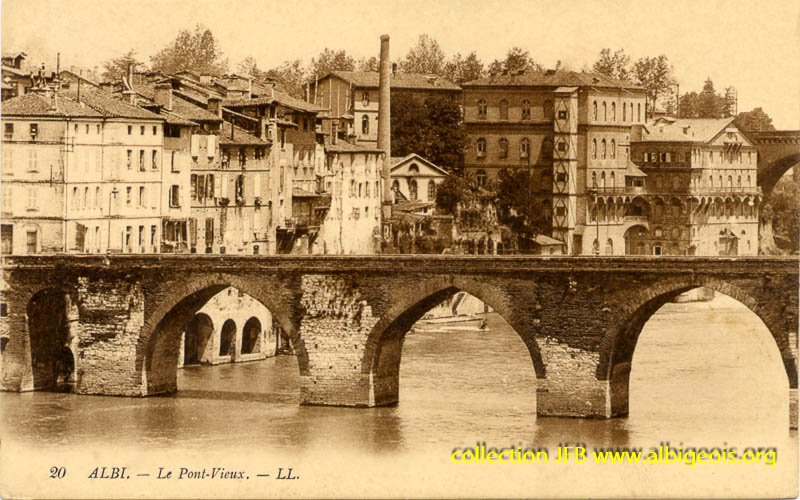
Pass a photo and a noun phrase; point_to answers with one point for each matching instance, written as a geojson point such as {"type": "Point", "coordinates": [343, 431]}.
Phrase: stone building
{"type": "Point", "coordinates": [700, 197]}
{"type": "Point", "coordinates": [564, 127]}
{"type": "Point", "coordinates": [415, 179]}
{"type": "Point", "coordinates": [352, 97]}
{"type": "Point", "coordinates": [80, 174]}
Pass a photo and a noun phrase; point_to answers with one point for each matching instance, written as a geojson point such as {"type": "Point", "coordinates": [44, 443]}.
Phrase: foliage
{"type": "Point", "coordinates": [249, 67]}
{"type": "Point", "coordinates": [756, 119]}
{"type": "Point", "coordinates": [450, 193]}
{"type": "Point", "coordinates": [432, 129]}
{"type": "Point", "coordinates": [114, 69]}
{"type": "Point", "coordinates": [367, 64]}
{"type": "Point", "coordinates": [331, 60]}
{"type": "Point", "coordinates": [783, 209]}
{"type": "Point", "coordinates": [516, 59]}
{"type": "Point", "coordinates": [515, 204]}
{"type": "Point", "coordinates": [461, 69]}
{"type": "Point", "coordinates": [196, 50]}
{"type": "Point", "coordinates": [290, 77]}
{"type": "Point", "coordinates": [655, 75]}
{"type": "Point", "coordinates": [614, 65]}
{"type": "Point", "coordinates": [426, 57]}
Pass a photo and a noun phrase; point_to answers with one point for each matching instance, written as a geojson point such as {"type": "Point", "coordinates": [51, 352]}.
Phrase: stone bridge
{"type": "Point", "coordinates": [778, 151]}
{"type": "Point", "coordinates": [580, 317]}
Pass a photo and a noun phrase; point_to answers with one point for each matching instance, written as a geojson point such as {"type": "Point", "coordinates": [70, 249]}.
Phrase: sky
{"type": "Point", "coordinates": [753, 46]}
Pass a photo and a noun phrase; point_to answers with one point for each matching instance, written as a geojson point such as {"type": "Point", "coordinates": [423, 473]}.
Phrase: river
{"type": "Point", "coordinates": [703, 374]}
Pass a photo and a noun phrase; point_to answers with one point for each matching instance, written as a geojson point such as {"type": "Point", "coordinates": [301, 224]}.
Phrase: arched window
{"type": "Point", "coordinates": [482, 109]}
{"type": "Point", "coordinates": [739, 181]}
{"type": "Point", "coordinates": [613, 148]}
{"type": "Point", "coordinates": [605, 111]}
{"type": "Point", "coordinates": [547, 109]}
{"type": "Point", "coordinates": [594, 110]}
{"type": "Point", "coordinates": [481, 146]}
{"type": "Point", "coordinates": [504, 109]}
{"type": "Point", "coordinates": [364, 125]}
{"type": "Point", "coordinates": [594, 148]}
{"type": "Point", "coordinates": [624, 112]}
{"type": "Point", "coordinates": [503, 147]}
{"type": "Point", "coordinates": [603, 180]}
{"type": "Point", "coordinates": [431, 191]}
{"type": "Point", "coordinates": [526, 109]}
{"type": "Point", "coordinates": [480, 177]}
{"type": "Point", "coordinates": [395, 185]}
{"type": "Point", "coordinates": [730, 181]}
{"type": "Point", "coordinates": [594, 180]}
{"type": "Point", "coordinates": [613, 111]}
{"type": "Point", "coordinates": [710, 181]}
{"type": "Point", "coordinates": [603, 149]}
{"type": "Point", "coordinates": [613, 180]}
{"type": "Point", "coordinates": [638, 112]}
{"type": "Point", "coordinates": [609, 247]}
{"type": "Point", "coordinates": [412, 189]}
{"type": "Point", "coordinates": [524, 148]}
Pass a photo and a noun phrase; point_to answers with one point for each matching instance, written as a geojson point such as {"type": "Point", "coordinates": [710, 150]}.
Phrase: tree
{"type": "Point", "coordinates": [432, 129]}
{"type": "Point", "coordinates": [330, 60]}
{"type": "Point", "coordinates": [614, 65]}
{"type": "Point", "coordinates": [196, 50]}
{"type": "Point", "coordinates": [290, 77]}
{"type": "Point", "coordinates": [249, 67]}
{"type": "Point", "coordinates": [655, 75]}
{"type": "Point", "coordinates": [426, 57]}
{"type": "Point", "coordinates": [114, 69]}
{"type": "Point", "coordinates": [516, 59]}
{"type": "Point", "coordinates": [709, 103]}
{"type": "Point", "coordinates": [369, 64]}
{"type": "Point", "coordinates": [461, 69]}
{"type": "Point", "coordinates": [783, 209]}
{"type": "Point", "coordinates": [756, 119]}
{"type": "Point", "coordinates": [516, 207]}
{"type": "Point", "coordinates": [450, 193]}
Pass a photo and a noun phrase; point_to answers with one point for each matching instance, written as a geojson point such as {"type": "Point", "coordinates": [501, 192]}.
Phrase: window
{"type": "Point", "coordinates": [141, 130]}
{"type": "Point", "coordinates": [562, 147]}
{"type": "Point", "coordinates": [97, 128]}
{"type": "Point", "coordinates": [562, 114]}
{"type": "Point", "coordinates": [561, 177]}
{"type": "Point", "coordinates": [128, 195]}
{"type": "Point", "coordinates": [613, 148]}
{"type": "Point", "coordinates": [481, 147]}
{"type": "Point", "coordinates": [412, 189]}
{"type": "Point", "coordinates": [86, 197]}
{"type": "Point", "coordinates": [155, 130]}
{"type": "Point", "coordinates": [503, 143]}
{"type": "Point", "coordinates": [504, 109]}
{"type": "Point", "coordinates": [594, 148]}
{"type": "Point", "coordinates": [524, 148]}
{"type": "Point", "coordinates": [130, 129]}
{"type": "Point", "coordinates": [613, 180]}
{"type": "Point", "coordinates": [97, 197]}
{"type": "Point", "coordinates": [605, 112]}
{"type": "Point", "coordinates": [87, 129]}
{"type": "Point", "coordinates": [638, 112]}
{"type": "Point", "coordinates": [9, 130]}
{"type": "Point", "coordinates": [613, 111]}
{"type": "Point", "coordinates": [141, 160]}
{"type": "Point", "coordinates": [33, 160]}
{"type": "Point", "coordinates": [31, 243]}
{"type": "Point", "coordinates": [594, 180]}
{"type": "Point", "coordinates": [33, 204]}
{"type": "Point", "coordinates": [594, 110]}
{"type": "Point", "coordinates": [482, 109]}
{"type": "Point", "coordinates": [193, 191]}
{"type": "Point", "coordinates": [130, 159]}
{"type": "Point", "coordinates": [155, 159]}
{"type": "Point", "coordinates": [431, 190]}
{"type": "Point", "coordinates": [364, 125]}
{"type": "Point", "coordinates": [624, 111]}
{"type": "Point", "coordinates": [365, 98]}
{"type": "Point", "coordinates": [526, 109]}
{"type": "Point", "coordinates": [34, 130]}
{"type": "Point", "coordinates": [174, 196]}
{"type": "Point", "coordinates": [141, 196]}
{"type": "Point", "coordinates": [480, 177]}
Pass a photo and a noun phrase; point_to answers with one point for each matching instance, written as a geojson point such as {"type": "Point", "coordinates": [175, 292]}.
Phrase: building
{"type": "Point", "coordinates": [700, 197]}
{"type": "Point", "coordinates": [415, 179]}
{"type": "Point", "coordinates": [80, 175]}
{"type": "Point", "coordinates": [566, 128]}
{"type": "Point", "coordinates": [352, 97]}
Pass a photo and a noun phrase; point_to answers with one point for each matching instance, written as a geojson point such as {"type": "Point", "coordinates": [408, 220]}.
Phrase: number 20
{"type": "Point", "coordinates": [57, 472]}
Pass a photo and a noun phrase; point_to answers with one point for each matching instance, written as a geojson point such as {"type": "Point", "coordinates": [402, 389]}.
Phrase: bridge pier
{"type": "Point", "coordinates": [793, 408]}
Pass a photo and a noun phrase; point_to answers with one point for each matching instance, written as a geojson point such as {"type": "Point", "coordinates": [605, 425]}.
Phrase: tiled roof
{"type": "Point", "coordinates": [279, 97]}
{"type": "Point", "coordinates": [415, 81]}
{"type": "Point", "coordinates": [191, 111]}
{"type": "Point", "coordinates": [110, 106]}
{"type": "Point", "coordinates": [633, 171]}
{"type": "Point", "coordinates": [697, 129]}
{"type": "Point", "coordinates": [543, 239]}
{"type": "Point", "coordinates": [241, 137]}
{"type": "Point", "coordinates": [346, 147]}
{"type": "Point", "coordinates": [551, 79]}
{"type": "Point", "coordinates": [92, 82]}
{"type": "Point", "coordinates": [412, 206]}
{"type": "Point", "coordinates": [15, 71]}
{"type": "Point", "coordinates": [34, 104]}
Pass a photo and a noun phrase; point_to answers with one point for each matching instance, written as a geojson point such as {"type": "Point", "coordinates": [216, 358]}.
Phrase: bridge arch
{"type": "Point", "coordinates": [619, 342]}
{"type": "Point", "coordinates": [383, 348]}
{"type": "Point", "coordinates": [771, 173]}
{"type": "Point", "coordinates": [159, 342]}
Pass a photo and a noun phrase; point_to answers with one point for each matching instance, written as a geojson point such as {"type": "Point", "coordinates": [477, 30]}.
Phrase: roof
{"type": "Point", "coordinates": [277, 97]}
{"type": "Point", "coordinates": [346, 147]}
{"type": "Point", "coordinates": [412, 206]}
{"type": "Point", "coordinates": [35, 104]}
{"type": "Point", "coordinates": [180, 107]}
{"type": "Point", "coordinates": [396, 161]}
{"type": "Point", "coordinates": [400, 80]}
{"type": "Point", "coordinates": [551, 79]}
{"type": "Point", "coordinates": [241, 137]}
{"type": "Point", "coordinates": [544, 240]}
{"type": "Point", "coordinates": [110, 106]}
{"type": "Point", "coordinates": [633, 171]}
{"type": "Point", "coordinates": [16, 71]}
{"type": "Point", "coordinates": [92, 82]}
{"type": "Point", "coordinates": [302, 193]}
{"type": "Point", "coordinates": [696, 129]}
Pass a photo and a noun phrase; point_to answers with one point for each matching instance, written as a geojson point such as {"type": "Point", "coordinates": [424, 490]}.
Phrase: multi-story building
{"type": "Point", "coordinates": [352, 97]}
{"type": "Point", "coordinates": [700, 197]}
{"type": "Point", "coordinates": [565, 128]}
{"type": "Point", "coordinates": [93, 167]}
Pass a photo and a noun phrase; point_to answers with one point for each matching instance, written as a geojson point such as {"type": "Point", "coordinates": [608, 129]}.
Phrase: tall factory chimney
{"type": "Point", "coordinates": [384, 124]}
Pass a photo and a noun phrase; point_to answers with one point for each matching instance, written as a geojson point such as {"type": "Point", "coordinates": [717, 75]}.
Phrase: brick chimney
{"type": "Point", "coordinates": [384, 122]}
{"type": "Point", "coordinates": [215, 106]}
{"type": "Point", "coordinates": [163, 95]}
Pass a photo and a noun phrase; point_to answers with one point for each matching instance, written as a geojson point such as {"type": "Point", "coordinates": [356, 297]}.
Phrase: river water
{"type": "Point", "coordinates": [703, 374]}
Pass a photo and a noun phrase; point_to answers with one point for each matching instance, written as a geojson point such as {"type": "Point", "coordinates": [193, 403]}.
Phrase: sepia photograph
{"type": "Point", "coordinates": [410, 249]}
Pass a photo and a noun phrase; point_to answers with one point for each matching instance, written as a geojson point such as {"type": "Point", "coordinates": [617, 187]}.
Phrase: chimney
{"type": "Point", "coordinates": [163, 95]}
{"type": "Point", "coordinates": [215, 106]}
{"type": "Point", "coordinates": [334, 131]}
{"type": "Point", "coordinates": [384, 123]}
